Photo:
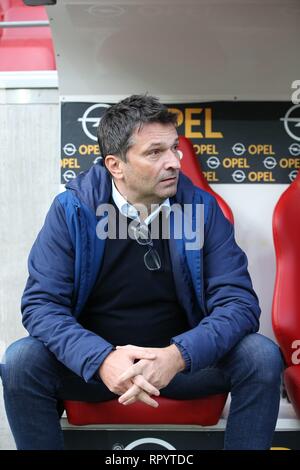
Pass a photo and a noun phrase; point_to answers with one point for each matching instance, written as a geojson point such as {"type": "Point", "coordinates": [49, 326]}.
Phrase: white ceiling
{"type": "Point", "coordinates": [179, 50]}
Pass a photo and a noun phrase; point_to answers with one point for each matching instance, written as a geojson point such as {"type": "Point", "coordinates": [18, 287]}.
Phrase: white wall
{"type": "Point", "coordinates": [29, 179]}
{"type": "Point", "coordinates": [253, 207]}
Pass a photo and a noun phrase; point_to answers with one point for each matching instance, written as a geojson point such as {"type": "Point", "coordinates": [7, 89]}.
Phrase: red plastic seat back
{"type": "Point", "coordinates": [190, 166]}
{"type": "Point", "coordinates": [25, 49]}
{"type": "Point", "coordinates": [4, 6]}
{"type": "Point", "coordinates": [286, 300]}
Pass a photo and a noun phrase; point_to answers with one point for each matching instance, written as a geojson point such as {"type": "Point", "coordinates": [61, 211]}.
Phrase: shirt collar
{"type": "Point", "coordinates": [130, 211]}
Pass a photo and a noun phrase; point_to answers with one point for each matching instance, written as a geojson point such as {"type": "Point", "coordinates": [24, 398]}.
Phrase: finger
{"type": "Point", "coordinates": [130, 393]}
{"type": "Point", "coordinates": [141, 382]}
{"type": "Point", "coordinates": [137, 352]}
{"type": "Point", "coordinates": [142, 355]}
{"type": "Point", "coordinates": [130, 401]}
{"type": "Point", "coordinates": [144, 397]}
{"type": "Point", "coordinates": [124, 386]}
{"type": "Point", "coordinates": [132, 371]}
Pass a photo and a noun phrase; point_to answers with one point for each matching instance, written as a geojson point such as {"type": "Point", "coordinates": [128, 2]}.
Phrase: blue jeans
{"type": "Point", "coordinates": [34, 382]}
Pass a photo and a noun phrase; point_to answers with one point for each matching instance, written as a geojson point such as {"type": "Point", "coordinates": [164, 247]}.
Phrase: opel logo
{"type": "Point", "coordinates": [291, 122]}
{"type": "Point", "coordinates": [238, 149]}
{"type": "Point", "coordinates": [97, 159]}
{"type": "Point", "coordinates": [213, 162]}
{"type": "Point", "coordinates": [69, 149]}
{"type": "Point", "coordinates": [69, 175]}
{"type": "Point", "coordinates": [293, 174]}
{"type": "Point", "coordinates": [238, 176]}
{"type": "Point", "coordinates": [91, 119]}
{"type": "Point", "coordinates": [294, 149]}
{"type": "Point", "coordinates": [270, 163]}
{"type": "Point", "coordinates": [149, 440]}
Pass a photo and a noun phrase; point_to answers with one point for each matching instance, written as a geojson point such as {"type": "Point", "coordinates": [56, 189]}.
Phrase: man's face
{"type": "Point", "coordinates": [150, 173]}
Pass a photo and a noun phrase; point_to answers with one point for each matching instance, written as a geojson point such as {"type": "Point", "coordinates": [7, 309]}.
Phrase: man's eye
{"type": "Point", "coordinates": [155, 152]}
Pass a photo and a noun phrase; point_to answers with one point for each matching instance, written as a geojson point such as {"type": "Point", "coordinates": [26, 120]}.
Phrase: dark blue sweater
{"type": "Point", "coordinates": [130, 304]}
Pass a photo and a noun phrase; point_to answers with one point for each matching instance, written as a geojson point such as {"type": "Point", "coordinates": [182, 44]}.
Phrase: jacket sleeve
{"type": "Point", "coordinates": [232, 306]}
{"type": "Point", "coordinates": [47, 299]}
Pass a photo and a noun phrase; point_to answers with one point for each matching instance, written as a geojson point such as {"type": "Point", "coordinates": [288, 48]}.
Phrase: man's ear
{"type": "Point", "coordinates": [114, 165]}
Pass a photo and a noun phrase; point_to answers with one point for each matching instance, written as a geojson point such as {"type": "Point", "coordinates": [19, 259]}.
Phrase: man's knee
{"type": "Point", "coordinates": [259, 356]}
{"type": "Point", "coordinates": [21, 360]}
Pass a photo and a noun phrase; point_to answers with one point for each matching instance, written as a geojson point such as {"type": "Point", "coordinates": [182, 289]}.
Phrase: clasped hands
{"type": "Point", "coordinates": [136, 373]}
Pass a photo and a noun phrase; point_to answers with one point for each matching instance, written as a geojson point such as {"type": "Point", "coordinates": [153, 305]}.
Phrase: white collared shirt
{"type": "Point", "coordinates": [130, 211]}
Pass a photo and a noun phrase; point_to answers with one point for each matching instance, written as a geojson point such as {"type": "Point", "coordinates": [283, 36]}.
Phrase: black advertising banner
{"type": "Point", "coordinates": [236, 142]}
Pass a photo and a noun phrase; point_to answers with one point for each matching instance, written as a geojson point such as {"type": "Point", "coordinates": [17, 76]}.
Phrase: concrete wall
{"type": "Point", "coordinates": [29, 180]}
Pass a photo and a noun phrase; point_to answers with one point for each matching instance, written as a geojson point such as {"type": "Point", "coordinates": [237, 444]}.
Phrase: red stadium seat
{"type": "Point", "coordinates": [4, 6]}
{"type": "Point", "coordinates": [203, 411]}
{"type": "Point", "coordinates": [286, 301]}
{"type": "Point", "coordinates": [25, 13]}
{"type": "Point", "coordinates": [25, 49]}
{"type": "Point", "coordinates": [190, 166]}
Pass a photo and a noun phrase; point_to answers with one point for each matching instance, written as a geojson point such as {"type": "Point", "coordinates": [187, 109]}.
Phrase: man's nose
{"type": "Point", "coordinates": [172, 160]}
